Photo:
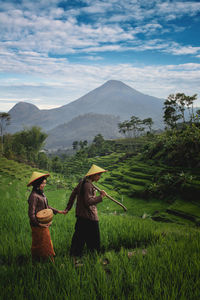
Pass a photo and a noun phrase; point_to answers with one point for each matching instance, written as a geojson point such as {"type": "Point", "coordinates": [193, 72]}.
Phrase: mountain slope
{"type": "Point", "coordinates": [20, 114]}
{"type": "Point", "coordinates": [113, 97]}
{"type": "Point", "coordinates": [83, 127]}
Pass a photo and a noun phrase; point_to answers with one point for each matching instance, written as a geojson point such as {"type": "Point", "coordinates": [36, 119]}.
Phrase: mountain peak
{"type": "Point", "coordinates": [114, 83]}
{"type": "Point", "coordinates": [23, 107]}
{"type": "Point", "coordinates": [118, 87]}
{"type": "Point", "coordinates": [112, 98]}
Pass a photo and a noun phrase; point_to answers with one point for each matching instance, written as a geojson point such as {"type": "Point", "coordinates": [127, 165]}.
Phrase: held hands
{"type": "Point", "coordinates": [62, 212]}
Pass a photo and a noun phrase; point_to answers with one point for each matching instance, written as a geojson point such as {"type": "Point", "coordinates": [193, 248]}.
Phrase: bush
{"type": "Point", "coordinates": [176, 147]}
{"type": "Point", "coordinates": [168, 185]}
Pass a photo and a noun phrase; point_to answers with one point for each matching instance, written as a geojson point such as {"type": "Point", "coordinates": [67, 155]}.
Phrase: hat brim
{"type": "Point", "coordinates": [96, 173]}
{"type": "Point", "coordinates": [45, 175]}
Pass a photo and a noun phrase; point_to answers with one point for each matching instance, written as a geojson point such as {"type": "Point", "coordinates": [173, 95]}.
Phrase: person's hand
{"type": "Point", "coordinates": [62, 212]}
{"type": "Point", "coordinates": [103, 193]}
{"type": "Point", "coordinates": [45, 225]}
{"type": "Point", "coordinates": [65, 211]}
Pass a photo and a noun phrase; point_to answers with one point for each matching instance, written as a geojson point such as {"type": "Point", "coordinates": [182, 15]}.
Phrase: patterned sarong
{"type": "Point", "coordinates": [42, 246]}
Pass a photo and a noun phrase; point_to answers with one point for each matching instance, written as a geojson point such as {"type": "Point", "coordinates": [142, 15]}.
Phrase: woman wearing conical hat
{"type": "Point", "coordinates": [87, 225]}
{"type": "Point", "coordinates": [41, 241]}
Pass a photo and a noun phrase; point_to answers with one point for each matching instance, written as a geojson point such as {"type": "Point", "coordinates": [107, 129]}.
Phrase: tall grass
{"type": "Point", "coordinates": [144, 259]}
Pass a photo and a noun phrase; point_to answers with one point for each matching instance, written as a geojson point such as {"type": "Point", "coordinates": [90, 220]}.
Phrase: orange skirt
{"type": "Point", "coordinates": [42, 246]}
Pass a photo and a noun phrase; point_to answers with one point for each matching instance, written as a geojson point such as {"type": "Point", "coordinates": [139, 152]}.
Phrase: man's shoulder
{"type": "Point", "coordinates": [88, 182]}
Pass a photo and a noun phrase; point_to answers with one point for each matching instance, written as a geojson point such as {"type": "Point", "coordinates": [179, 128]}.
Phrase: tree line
{"type": "Point", "coordinates": [27, 145]}
{"type": "Point", "coordinates": [176, 106]}
{"type": "Point", "coordinates": [179, 144]}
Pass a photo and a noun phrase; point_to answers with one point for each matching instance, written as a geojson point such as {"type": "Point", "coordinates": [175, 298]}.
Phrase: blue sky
{"type": "Point", "coordinates": [53, 52]}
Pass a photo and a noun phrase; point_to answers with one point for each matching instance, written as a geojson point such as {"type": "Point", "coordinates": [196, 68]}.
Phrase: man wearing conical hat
{"type": "Point", "coordinates": [42, 246]}
{"type": "Point", "coordinates": [87, 223]}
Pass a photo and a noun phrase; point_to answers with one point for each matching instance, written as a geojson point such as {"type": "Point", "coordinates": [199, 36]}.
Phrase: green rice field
{"type": "Point", "coordinates": [140, 258]}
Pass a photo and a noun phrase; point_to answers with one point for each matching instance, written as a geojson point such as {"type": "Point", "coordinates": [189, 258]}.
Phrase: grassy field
{"type": "Point", "coordinates": [140, 258]}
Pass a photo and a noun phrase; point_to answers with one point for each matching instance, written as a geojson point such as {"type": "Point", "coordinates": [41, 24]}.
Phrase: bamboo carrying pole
{"type": "Point", "coordinates": [98, 189]}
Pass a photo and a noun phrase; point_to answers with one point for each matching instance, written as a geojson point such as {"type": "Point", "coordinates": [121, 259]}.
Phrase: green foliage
{"type": "Point", "coordinates": [176, 147]}
{"type": "Point", "coordinates": [98, 147]}
{"type": "Point", "coordinates": [135, 126]}
{"type": "Point", "coordinates": [31, 139]}
{"type": "Point", "coordinates": [56, 165]}
{"type": "Point", "coordinates": [25, 145]}
{"type": "Point", "coordinates": [174, 109]}
{"type": "Point", "coordinates": [4, 121]}
{"type": "Point", "coordinates": [168, 185]}
{"type": "Point", "coordinates": [139, 259]}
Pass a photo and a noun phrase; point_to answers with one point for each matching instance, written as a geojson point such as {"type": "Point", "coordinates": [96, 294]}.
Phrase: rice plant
{"type": "Point", "coordinates": [139, 258]}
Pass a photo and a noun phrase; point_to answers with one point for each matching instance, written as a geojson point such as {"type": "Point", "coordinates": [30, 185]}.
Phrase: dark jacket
{"type": "Point", "coordinates": [86, 201]}
{"type": "Point", "coordinates": [37, 202]}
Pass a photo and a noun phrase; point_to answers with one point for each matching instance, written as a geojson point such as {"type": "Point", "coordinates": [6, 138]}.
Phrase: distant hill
{"type": "Point", "coordinates": [83, 127]}
{"type": "Point", "coordinates": [112, 98]}
{"type": "Point", "coordinates": [20, 115]}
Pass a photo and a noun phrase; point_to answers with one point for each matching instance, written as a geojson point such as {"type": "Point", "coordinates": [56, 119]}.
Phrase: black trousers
{"type": "Point", "coordinates": [86, 232]}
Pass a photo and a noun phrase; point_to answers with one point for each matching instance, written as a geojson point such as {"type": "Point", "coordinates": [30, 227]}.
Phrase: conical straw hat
{"type": "Point", "coordinates": [35, 176]}
{"type": "Point", "coordinates": [95, 170]}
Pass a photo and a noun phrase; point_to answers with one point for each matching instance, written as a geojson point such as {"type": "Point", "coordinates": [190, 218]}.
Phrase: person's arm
{"type": "Point", "coordinates": [32, 209]}
{"type": "Point", "coordinates": [90, 198]}
{"type": "Point", "coordinates": [55, 211]}
{"type": "Point", "coordinates": [71, 199]}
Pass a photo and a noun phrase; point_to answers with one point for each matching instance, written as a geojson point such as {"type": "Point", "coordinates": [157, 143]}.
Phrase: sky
{"type": "Point", "coordinates": [53, 52]}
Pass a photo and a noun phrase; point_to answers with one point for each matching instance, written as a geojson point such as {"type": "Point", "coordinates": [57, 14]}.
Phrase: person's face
{"type": "Point", "coordinates": [96, 177]}
{"type": "Point", "coordinates": [42, 185]}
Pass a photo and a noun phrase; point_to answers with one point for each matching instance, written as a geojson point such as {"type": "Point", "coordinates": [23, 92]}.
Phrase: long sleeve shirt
{"type": "Point", "coordinates": [37, 202]}
{"type": "Point", "coordinates": [86, 201]}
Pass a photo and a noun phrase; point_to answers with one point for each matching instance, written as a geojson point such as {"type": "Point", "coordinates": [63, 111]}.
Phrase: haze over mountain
{"type": "Point", "coordinates": [112, 98]}
{"type": "Point", "coordinates": [83, 127]}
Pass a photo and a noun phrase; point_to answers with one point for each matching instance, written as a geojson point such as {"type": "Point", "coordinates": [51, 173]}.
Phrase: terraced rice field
{"type": "Point", "coordinates": [139, 258]}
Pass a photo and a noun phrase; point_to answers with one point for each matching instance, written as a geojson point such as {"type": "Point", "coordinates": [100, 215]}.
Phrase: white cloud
{"type": "Point", "coordinates": [76, 80]}
{"type": "Point", "coordinates": [94, 58]}
{"type": "Point", "coordinates": [34, 30]}
{"type": "Point", "coordinates": [179, 8]}
{"type": "Point", "coordinates": [183, 50]}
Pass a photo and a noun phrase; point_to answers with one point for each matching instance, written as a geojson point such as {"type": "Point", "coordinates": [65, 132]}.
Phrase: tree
{"type": "Point", "coordinates": [7, 146]}
{"type": "Point", "coordinates": [83, 144]}
{"type": "Point", "coordinates": [4, 121]}
{"type": "Point", "coordinates": [136, 126]}
{"type": "Point", "coordinates": [181, 101]}
{"type": "Point", "coordinates": [98, 140]}
{"type": "Point", "coordinates": [131, 128]}
{"type": "Point", "coordinates": [43, 161]}
{"type": "Point", "coordinates": [170, 112]}
{"type": "Point", "coordinates": [124, 127]}
{"type": "Point", "coordinates": [57, 165]}
{"type": "Point", "coordinates": [149, 123]}
{"type": "Point", "coordinates": [75, 145]}
{"type": "Point", "coordinates": [174, 108]}
{"type": "Point", "coordinates": [197, 117]}
{"type": "Point", "coordinates": [29, 142]}
{"type": "Point", "coordinates": [189, 104]}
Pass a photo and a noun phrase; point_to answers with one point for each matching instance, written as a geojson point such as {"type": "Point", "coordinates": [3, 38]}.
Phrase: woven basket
{"type": "Point", "coordinates": [45, 216]}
